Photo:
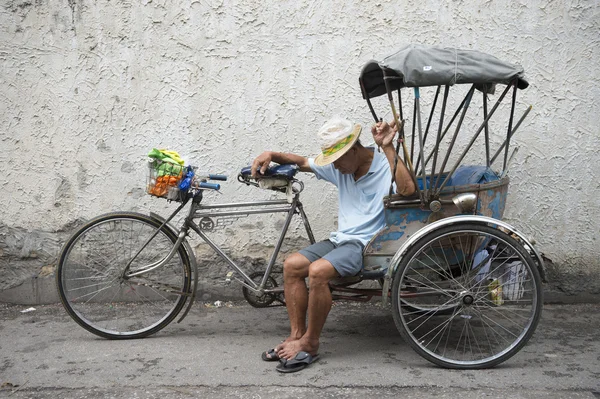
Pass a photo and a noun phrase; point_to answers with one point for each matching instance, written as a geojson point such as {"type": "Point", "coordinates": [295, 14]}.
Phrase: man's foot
{"type": "Point", "coordinates": [288, 350]}
{"type": "Point", "coordinates": [273, 354]}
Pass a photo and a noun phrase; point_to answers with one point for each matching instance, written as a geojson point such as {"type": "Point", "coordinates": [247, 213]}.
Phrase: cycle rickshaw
{"type": "Point", "coordinates": [464, 286]}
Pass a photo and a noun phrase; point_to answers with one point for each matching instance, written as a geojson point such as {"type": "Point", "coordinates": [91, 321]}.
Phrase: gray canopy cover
{"type": "Point", "coordinates": [418, 65]}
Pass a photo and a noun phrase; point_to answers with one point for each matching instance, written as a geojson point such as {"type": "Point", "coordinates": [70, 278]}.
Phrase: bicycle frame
{"type": "Point", "coordinates": [258, 207]}
{"type": "Point", "coordinates": [205, 212]}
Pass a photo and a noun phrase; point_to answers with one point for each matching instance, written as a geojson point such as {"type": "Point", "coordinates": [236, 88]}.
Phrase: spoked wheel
{"type": "Point", "coordinates": [467, 296]}
{"type": "Point", "coordinates": [96, 293]}
{"type": "Point", "coordinates": [261, 300]}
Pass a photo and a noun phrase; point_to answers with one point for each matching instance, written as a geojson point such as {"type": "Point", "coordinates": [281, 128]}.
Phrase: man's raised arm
{"type": "Point", "coordinates": [261, 162]}
{"type": "Point", "coordinates": [384, 136]}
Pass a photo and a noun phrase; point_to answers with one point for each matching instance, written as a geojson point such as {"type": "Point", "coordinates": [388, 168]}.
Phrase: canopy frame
{"type": "Point", "coordinates": [430, 189]}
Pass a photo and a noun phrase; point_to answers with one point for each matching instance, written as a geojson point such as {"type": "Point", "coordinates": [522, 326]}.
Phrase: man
{"type": "Point", "coordinates": [363, 177]}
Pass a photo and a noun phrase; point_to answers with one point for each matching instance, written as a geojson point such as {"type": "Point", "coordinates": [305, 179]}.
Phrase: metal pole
{"type": "Point", "coordinates": [421, 158]}
{"type": "Point", "coordinates": [458, 126]}
{"type": "Point", "coordinates": [511, 134]}
{"type": "Point", "coordinates": [487, 131]}
{"type": "Point", "coordinates": [439, 133]}
{"type": "Point", "coordinates": [510, 121]}
{"type": "Point", "coordinates": [400, 136]}
{"type": "Point", "coordinates": [407, 160]}
{"type": "Point", "coordinates": [364, 93]}
{"type": "Point", "coordinates": [474, 138]}
{"type": "Point", "coordinates": [309, 232]}
{"type": "Point", "coordinates": [284, 230]}
{"type": "Point", "coordinates": [414, 127]}
{"type": "Point", "coordinates": [418, 112]}
{"type": "Point", "coordinates": [460, 107]}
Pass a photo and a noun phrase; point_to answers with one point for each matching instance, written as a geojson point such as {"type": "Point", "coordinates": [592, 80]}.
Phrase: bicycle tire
{"type": "Point", "coordinates": [95, 294]}
{"type": "Point", "coordinates": [487, 324]}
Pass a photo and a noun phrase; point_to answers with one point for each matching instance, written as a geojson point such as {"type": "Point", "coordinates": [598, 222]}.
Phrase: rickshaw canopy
{"type": "Point", "coordinates": [419, 65]}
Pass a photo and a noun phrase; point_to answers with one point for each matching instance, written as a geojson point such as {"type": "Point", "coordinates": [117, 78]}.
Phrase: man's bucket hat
{"type": "Point", "coordinates": [336, 137]}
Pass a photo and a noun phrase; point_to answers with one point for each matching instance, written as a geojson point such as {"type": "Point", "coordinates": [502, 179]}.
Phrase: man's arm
{"type": "Point", "coordinates": [384, 137]}
{"type": "Point", "coordinates": [261, 163]}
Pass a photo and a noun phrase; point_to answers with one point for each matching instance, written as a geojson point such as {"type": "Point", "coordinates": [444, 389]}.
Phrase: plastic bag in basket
{"type": "Point", "coordinates": [166, 170]}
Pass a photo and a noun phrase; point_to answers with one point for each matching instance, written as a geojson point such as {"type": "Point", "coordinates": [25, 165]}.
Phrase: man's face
{"type": "Point", "coordinates": [347, 163]}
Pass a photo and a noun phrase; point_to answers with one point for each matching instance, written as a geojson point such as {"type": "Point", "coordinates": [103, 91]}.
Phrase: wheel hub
{"type": "Point", "coordinates": [468, 300]}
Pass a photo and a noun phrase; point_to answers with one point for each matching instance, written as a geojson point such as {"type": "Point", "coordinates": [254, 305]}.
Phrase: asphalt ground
{"type": "Point", "coordinates": [215, 352]}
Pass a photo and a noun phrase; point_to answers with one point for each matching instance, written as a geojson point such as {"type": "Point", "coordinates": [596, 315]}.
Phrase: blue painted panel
{"type": "Point", "coordinates": [402, 217]}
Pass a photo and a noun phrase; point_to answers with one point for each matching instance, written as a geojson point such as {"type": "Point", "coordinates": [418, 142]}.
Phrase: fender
{"type": "Point", "coordinates": [484, 220]}
{"type": "Point", "coordinates": [192, 258]}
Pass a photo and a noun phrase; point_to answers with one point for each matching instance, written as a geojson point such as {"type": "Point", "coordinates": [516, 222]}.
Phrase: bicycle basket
{"type": "Point", "coordinates": [164, 178]}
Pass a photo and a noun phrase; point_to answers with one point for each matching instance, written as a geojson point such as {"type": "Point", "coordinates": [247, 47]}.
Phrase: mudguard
{"type": "Point", "coordinates": [484, 220]}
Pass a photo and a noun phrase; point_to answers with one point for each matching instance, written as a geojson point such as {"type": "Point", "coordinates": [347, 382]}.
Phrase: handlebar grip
{"type": "Point", "coordinates": [217, 177]}
{"type": "Point", "coordinates": [212, 186]}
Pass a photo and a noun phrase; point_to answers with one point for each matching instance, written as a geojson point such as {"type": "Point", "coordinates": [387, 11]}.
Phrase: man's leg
{"type": "Point", "coordinates": [320, 273]}
{"type": "Point", "coordinates": [295, 270]}
{"type": "Point", "coordinates": [343, 260]}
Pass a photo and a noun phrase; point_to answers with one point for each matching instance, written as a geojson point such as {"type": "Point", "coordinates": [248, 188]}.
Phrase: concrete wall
{"type": "Point", "coordinates": [88, 87]}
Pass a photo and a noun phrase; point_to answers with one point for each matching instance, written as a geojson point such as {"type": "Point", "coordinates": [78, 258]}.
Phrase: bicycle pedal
{"type": "Point", "coordinates": [228, 278]}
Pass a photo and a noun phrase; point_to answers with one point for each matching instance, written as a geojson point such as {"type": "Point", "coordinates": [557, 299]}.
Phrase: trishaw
{"type": "Point", "coordinates": [464, 286]}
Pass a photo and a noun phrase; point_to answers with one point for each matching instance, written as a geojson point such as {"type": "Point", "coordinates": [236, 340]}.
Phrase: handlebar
{"type": "Point", "coordinates": [212, 186]}
{"type": "Point", "coordinates": [217, 177]}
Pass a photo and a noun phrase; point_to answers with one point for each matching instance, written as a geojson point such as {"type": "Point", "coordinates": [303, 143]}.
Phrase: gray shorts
{"type": "Point", "coordinates": [345, 257]}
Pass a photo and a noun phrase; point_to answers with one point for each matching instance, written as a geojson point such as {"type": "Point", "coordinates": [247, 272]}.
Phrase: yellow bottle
{"type": "Point", "coordinates": [495, 289]}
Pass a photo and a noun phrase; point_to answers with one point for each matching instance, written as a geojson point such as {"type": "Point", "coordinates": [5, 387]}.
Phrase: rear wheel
{"type": "Point", "coordinates": [98, 296]}
{"type": "Point", "coordinates": [467, 296]}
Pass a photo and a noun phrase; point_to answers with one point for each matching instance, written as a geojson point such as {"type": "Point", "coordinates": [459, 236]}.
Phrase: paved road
{"type": "Point", "coordinates": [215, 352]}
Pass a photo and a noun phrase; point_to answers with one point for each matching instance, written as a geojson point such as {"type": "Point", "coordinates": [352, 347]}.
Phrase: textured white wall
{"type": "Point", "coordinates": [88, 87]}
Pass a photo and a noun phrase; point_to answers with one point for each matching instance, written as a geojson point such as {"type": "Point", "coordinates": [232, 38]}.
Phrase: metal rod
{"type": "Point", "coordinates": [487, 131]}
{"type": "Point", "coordinates": [407, 160]}
{"type": "Point", "coordinates": [155, 234]}
{"type": "Point", "coordinates": [439, 133]}
{"type": "Point", "coordinates": [514, 152]}
{"type": "Point", "coordinates": [511, 134]}
{"type": "Point", "coordinates": [216, 248]}
{"type": "Point", "coordinates": [400, 105]}
{"type": "Point", "coordinates": [474, 138]}
{"type": "Point", "coordinates": [437, 93]}
{"type": "Point", "coordinates": [400, 138]}
{"type": "Point", "coordinates": [366, 96]}
{"type": "Point", "coordinates": [200, 214]}
{"type": "Point", "coordinates": [413, 129]}
{"type": "Point", "coordinates": [458, 126]}
{"type": "Point", "coordinates": [510, 122]}
{"type": "Point", "coordinates": [309, 232]}
{"type": "Point", "coordinates": [243, 204]}
{"type": "Point", "coordinates": [286, 225]}
{"type": "Point", "coordinates": [421, 155]}
{"type": "Point", "coordinates": [460, 107]}
{"type": "Point", "coordinates": [159, 263]}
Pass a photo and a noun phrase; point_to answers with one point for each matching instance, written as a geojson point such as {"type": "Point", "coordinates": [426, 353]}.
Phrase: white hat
{"type": "Point", "coordinates": [336, 137]}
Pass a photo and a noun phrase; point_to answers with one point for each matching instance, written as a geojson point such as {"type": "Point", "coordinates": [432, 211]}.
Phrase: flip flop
{"type": "Point", "coordinates": [270, 355]}
{"type": "Point", "coordinates": [301, 361]}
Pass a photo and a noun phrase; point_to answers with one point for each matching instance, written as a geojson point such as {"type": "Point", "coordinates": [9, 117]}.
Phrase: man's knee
{"type": "Point", "coordinates": [321, 272]}
{"type": "Point", "coordinates": [296, 265]}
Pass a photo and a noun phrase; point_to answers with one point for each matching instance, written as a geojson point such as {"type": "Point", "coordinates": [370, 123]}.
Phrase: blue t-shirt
{"type": "Point", "coordinates": [360, 203]}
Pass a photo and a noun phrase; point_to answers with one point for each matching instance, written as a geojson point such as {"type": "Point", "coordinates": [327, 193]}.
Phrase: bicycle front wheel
{"type": "Point", "coordinates": [467, 296]}
{"type": "Point", "coordinates": [99, 296]}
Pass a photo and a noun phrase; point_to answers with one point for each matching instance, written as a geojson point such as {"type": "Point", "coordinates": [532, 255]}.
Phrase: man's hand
{"type": "Point", "coordinates": [383, 133]}
{"type": "Point", "coordinates": [261, 163]}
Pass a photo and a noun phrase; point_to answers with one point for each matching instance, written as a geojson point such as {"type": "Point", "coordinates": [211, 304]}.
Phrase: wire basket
{"type": "Point", "coordinates": [164, 178]}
